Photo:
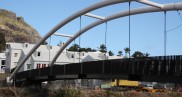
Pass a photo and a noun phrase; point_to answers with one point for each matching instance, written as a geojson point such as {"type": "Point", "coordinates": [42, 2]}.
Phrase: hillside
{"type": "Point", "coordinates": [16, 29]}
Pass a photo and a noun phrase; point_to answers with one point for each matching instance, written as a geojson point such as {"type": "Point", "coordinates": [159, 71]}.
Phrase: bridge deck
{"type": "Point", "coordinates": [158, 69]}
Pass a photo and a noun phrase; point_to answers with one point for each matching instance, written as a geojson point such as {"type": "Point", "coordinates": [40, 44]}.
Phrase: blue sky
{"type": "Point", "coordinates": [146, 29]}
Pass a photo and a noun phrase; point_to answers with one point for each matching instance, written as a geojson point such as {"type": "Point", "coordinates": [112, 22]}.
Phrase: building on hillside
{"type": "Point", "coordinates": [2, 62]}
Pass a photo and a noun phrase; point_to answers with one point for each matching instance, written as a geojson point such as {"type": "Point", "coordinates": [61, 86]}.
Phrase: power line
{"type": "Point", "coordinates": [180, 19]}
{"type": "Point", "coordinates": [179, 15]}
{"type": "Point", "coordinates": [175, 28]}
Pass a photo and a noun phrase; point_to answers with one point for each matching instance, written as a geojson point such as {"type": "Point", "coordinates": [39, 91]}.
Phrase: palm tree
{"type": "Point", "coordinates": [74, 47]}
{"type": "Point", "coordinates": [120, 53]}
{"type": "Point", "coordinates": [146, 54]}
{"type": "Point", "coordinates": [127, 50]}
{"type": "Point", "coordinates": [102, 48]}
{"type": "Point", "coordinates": [138, 54]}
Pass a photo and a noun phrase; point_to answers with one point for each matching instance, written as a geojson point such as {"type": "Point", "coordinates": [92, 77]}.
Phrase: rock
{"type": "Point", "coordinates": [20, 19]}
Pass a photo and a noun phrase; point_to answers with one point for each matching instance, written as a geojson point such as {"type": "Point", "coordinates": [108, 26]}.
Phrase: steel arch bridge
{"type": "Point", "coordinates": [153, 8]}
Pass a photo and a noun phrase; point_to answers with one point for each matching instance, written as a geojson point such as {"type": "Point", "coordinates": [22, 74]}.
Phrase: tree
{"type": "Point", "coordinates": [137, 54]}
{"type": "Point", "coordinates": [74, 47]}
{"type": "Point", "coordinates": [120, 53]}
{"type": "Point", "coordinates": [90, 49]}
{"type": "Point", "coordinates": [102, 48]}
{"type": "Point", "coordinates": [111, 53]}
{"type": "Point", "coordinates": [127, 50]}
{"type": "Point", "coordinates": [77, 48]}
{"type": "Point", "coordinates": [87, 50]}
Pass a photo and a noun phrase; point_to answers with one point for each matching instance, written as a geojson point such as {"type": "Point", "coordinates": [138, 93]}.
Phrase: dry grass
{"type": "Point", "coordinates": [4, 76]}
{"type": "Point", "coordinates": [67, 92]}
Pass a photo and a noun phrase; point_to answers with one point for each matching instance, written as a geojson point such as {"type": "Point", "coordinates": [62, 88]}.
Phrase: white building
{"type": "Point", "coordinates": [41, 58]}
{"type": "Point", "coordinates": [13, 52]}
{"type": "Point", "coordinates": [2, 62]}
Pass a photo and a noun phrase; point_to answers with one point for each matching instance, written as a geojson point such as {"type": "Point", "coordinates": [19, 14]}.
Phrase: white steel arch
{"type": "Point", "coordinates": [166, 7]}
{"type": "Point", "coordinates": [67, 20]}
